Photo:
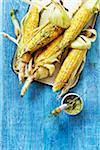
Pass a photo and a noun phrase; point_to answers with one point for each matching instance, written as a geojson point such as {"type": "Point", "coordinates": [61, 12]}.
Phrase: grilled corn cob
{"type": "Point", "coordinates": [73, 78]}
{"type": "Point", "coordinates": [42, 38]}
{"type": "Point", "coordinates": [29, 23]}
{"type": "Point", "coordinates": [73, 61]}
{"type": "Point", "coordinates": [53, 53]}
{"type": "Point", "coordinates": [80, 19]}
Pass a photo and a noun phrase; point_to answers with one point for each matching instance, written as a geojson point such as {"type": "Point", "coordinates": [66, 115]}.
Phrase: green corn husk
{"type": "Point", "coordinates": [59, 15]}
{"type": "Point", "coordinates": [15, 23]}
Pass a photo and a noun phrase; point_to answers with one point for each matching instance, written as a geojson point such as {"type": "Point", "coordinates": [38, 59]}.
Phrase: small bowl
{"type": "Point", "coordinates": [75, 95]}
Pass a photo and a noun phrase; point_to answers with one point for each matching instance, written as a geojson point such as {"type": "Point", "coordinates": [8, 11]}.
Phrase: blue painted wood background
{"type": "Point", "coordinates": [23, 121]}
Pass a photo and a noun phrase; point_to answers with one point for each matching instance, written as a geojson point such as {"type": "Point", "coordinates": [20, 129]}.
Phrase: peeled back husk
{"type": "Point", "coordinates": [58, 15]}
{"type": "Point", "coordinates": [85, 39]}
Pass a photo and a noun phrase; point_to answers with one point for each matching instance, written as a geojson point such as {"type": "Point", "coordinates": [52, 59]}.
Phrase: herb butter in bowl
{"type": "Point", "coordinates": [74, 103]}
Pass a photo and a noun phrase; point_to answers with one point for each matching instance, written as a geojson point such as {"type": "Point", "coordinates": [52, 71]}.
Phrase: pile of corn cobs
{"type": "Point", "coordinates": [42, 43]}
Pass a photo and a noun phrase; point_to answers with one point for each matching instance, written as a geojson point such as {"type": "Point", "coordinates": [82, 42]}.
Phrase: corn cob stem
{"type": "Point", "coordinates": [22, 66]}
{"type": "Point", "coordinates": [9, 37]}
{"type": "Point", "coordinates": [39, 72]}
{"type": "Point", "coordinates": [15, 23]}
{"type": "Point", "coordinates": [27, 83]}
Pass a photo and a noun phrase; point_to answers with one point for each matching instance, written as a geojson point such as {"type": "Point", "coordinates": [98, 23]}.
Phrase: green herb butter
{"type": "Point", "coordinates": [74, 104]}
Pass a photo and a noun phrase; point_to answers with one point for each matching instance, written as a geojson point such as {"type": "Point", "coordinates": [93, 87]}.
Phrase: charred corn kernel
{"type": "Point", "coordinates": [49, 54]}
{"type": "Point", "coordinates": [70, 64]}
{"type": "Point", "coordinates": [42, 38]}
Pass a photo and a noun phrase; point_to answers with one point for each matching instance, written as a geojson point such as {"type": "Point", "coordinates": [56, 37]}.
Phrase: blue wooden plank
{"type": "Point", "coordinates": [23, 121]}
{"type": "Point", "coordinates": [1, 81]}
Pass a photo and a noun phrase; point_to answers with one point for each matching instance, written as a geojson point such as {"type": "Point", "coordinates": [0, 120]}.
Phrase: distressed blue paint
{"type": "Point", "coordinates": [23, 121]}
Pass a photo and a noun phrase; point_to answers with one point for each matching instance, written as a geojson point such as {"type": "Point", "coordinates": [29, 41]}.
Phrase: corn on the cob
{"type": "Point", "coordinates": [80, 19]}
{"type": "Point", "coordinates": [73, 78]}
{"type": "Point", "coordinates": [49, 55]}
{"type": "Point", "coordinates": [29, 23]}
{"type": "Point", "coordinates": [42, 38]}
{"type": "Point", "coordinates": [73, 60]}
